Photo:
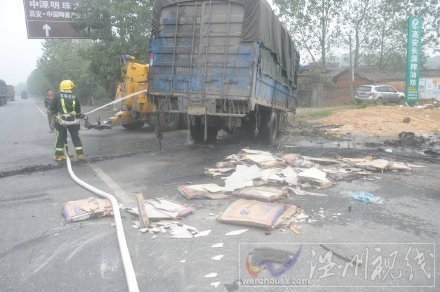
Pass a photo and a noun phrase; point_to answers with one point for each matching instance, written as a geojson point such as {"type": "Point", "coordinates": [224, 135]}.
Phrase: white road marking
{"type": "Point", "coordinates": [117, 190]}
{"type": "Point", "coordinates": [82, 244]}
{"type": "Point", "coordinates": [39, 109]}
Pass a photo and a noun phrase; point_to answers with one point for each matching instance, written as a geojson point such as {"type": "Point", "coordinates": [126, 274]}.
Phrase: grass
{"type": "Point", "coordinates": [313, 114]}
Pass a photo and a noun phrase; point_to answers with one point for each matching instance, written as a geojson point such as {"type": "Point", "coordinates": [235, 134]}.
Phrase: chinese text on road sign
{"type": "Point", "coordinates": [53, 19]}
{"type": "Point", "coordinates": [413, 59]}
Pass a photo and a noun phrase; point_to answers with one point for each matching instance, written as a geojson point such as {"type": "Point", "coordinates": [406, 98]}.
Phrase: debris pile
{"type": "Point", "coordinates": [174, 228]}
{"type": "Point", "coordinates": [163, 218]}
{"type": "Point", "coordinates": [262, 214]}
{"type": "Point", "coordinates": [86, 209]}
{"type": "Point", "coordinates": [245, 171]}
{"type": "Point", "coordinates": [163, 209]}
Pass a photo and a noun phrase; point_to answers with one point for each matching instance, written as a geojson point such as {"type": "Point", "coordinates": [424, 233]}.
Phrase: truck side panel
{"type": "Point", "coordinates": [199, 53]}
{"type": "Point", "coordinates": [199, 56]}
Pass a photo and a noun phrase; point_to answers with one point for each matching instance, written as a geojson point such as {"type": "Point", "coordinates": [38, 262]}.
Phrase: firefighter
{"type": "Point", "coordinates": [67, 109]}
{"type": "Point", "coordinates": [47, 103]}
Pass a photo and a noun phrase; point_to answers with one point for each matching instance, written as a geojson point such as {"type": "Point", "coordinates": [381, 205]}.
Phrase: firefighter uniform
{"type": "Point", "coordinates": [67, 109]}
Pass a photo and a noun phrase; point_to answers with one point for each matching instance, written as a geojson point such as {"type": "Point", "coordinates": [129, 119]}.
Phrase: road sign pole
{"type": "Point", "coordinates": [415, 25]}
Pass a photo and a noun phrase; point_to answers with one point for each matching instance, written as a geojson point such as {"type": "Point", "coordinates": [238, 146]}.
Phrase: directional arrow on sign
{"type": "Point", "coordinates": [47, 29]}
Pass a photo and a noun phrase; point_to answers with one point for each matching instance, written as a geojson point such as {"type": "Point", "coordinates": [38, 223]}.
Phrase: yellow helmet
{"type": "Point", "coordinates": [67, 85]}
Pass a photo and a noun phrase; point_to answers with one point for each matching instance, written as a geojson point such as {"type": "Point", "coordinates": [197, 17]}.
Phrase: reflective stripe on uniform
{"type": "Point", "coordinates": [78, 148]}
{"type": "Point", "coordinates": [64, 106]}
{"type": "Point", "coordinates": [74, 103]}
{"type": "Point", "coordinates": [59, 149]}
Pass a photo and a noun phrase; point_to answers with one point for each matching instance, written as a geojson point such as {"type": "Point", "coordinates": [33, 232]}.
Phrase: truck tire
{"type": "Point", "coordinates": [134, 126]}
{"type": "Point", "coordinates": [169, 121]}
{"type": "Point", "coordinates": [197, 131]}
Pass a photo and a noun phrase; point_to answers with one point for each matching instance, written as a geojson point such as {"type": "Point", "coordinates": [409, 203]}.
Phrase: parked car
{"type": "Point", "coordinates": [24, 94]}
{"type": "Point", "coordinates": [379, 93]}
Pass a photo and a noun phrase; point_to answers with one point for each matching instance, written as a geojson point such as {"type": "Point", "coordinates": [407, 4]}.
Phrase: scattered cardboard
{"type": "Point", "coordinates": [242, 177]}
{"type": "Point", "coordinates": [300, 192]}
{"type": "Point", "coordinates": [267, 194]}
{"type": "Point", "coordinates": [206, 191]}
{"type": "Point", "coordinates": [253, 213]}
{"type": "Point", "coordinates": [375, 165]}
{"type": "Point", "coordinates": [85, 209]}
{"type": "Point", "coordinates": [316, 177]}
{"type": "Point", "coordinates": [234, 233]}
{"type": "Point", "coordinates": [290, 176]}
{"type": "Point", "coordinates": [159, 209]}
{"type": "Point", "coordinates": [400, 166]}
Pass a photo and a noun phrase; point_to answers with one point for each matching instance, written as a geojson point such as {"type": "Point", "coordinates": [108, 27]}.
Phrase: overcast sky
{"type": "Point", "coordinates": [18, 54]}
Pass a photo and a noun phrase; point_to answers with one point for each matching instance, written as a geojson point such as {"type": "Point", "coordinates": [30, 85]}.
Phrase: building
{"type": "Point", "coordinates": [331, 86]}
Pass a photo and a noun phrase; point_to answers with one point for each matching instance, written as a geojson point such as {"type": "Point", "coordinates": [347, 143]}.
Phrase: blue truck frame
{"type": "Point", "coordinates": [201, 66]}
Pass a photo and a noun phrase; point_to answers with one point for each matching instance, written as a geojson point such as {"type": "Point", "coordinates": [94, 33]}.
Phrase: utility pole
{"type": "Point", "coordinates": [351, 69]}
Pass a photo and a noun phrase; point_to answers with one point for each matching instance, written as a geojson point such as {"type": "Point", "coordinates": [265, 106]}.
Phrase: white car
{"type": "Point", "coordinates": [379, 93]}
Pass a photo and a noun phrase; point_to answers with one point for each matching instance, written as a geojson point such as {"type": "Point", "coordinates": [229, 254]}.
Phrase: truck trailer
{"type": "Point", "coordinates": [228, 64]}
{"type": "Point", "coordinates": [3, 93]}
{"type": "Point", "coordinates": [11, 93]}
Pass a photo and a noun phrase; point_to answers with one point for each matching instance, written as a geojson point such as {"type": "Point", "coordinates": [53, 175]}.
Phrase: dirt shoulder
{"type": "Point", "coordinates": [383, 120]}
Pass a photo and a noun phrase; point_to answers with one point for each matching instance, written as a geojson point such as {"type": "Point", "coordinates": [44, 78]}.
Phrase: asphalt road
{"type": "Point", "coordinates": [39, 252]}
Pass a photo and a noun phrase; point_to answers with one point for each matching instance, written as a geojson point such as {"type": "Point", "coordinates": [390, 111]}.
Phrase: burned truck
{"type": "Point", "coordinates": [227, 64]}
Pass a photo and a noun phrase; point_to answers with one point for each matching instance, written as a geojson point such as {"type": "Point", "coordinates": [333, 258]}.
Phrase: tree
{"type": "Point", "coordinates": [314, 24]}
{"type": "Point", "coordinates": [389, 40]}
{"type": "Point", "coordinates": [63, 59]}
{"type": "Point", "coordinates": [37, 83]}
{"type": "Point", "coordinates": [358, 18]}
{"type": "Point", "coordinates": [118, 27]}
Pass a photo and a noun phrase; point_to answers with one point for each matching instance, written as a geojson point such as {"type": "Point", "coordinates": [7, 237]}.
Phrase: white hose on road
{"type": "Point", "coordinates": [116, 101]}
{"type": "Point", "coordinates": [125, 254]}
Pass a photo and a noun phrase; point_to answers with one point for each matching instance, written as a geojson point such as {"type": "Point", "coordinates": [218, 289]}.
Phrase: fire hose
{"type": "Point", "coordinates": [116, 101]}
{"type": "Point", "coordinates": [123, 248]}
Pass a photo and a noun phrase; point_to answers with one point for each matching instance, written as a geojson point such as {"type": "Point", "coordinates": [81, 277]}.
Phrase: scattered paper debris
{"type": "Point", "coordinates": [217, 257]}
{"type": "Point", "coordinates": [236, 232]}
{"type": "Point", "coordinates": [300, 192]}
{"type": "Point", "coordinates": [158, 209]}
{"type": "Point", "coordinates": [205, 191]}
{"type": "Point", "coordinates": [290, 176]}
{"type": "Point", "coordinates": [375, 165]}
{"type": "Point", "coordinates": [203, 233]}
{"type": "Point", "coordinates": [317, 177]}
{"type": "Point", "coordinates": [268, 194]}
{"type": "Point", "coordinates": [85, 209]}
{"type": "Point", "coordinates": [217, 245]}
{"type": "Point", "coordinates": [183, 261]}
{"type": "Point", "coordinates": [211, 275]}
{"type": "Point", "coordinates": [180, 232]}
{"type": "Point", "coordinates": [253, 213]}
{"type": "Point", "coordinates": [215, 284]}
{"type": "Point", "coordinates": [242, 177]}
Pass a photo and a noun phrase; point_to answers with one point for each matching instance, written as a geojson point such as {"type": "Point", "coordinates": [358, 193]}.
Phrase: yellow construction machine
{"type": "Point", "coordinates": [134, 112]}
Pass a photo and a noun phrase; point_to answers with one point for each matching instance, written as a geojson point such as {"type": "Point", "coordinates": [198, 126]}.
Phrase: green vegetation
{"type": "Point", "coordinates": [377, 28]}
{"type": "Point", "coordinates": [119, 27]}
{"type": "Point", "coordinates": [311, 114]}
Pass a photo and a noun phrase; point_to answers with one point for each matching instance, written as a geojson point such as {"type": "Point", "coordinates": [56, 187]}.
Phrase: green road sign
{"type": "Point", "coordinates": [415, 25]}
